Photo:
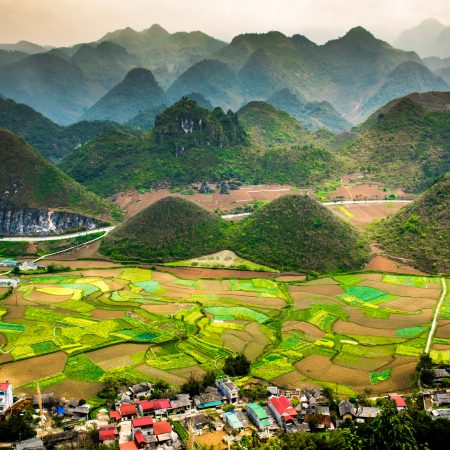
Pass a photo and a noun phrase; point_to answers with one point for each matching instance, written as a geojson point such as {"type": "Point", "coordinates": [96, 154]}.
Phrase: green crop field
{"type": "Point", "coordinates": [156, 325]}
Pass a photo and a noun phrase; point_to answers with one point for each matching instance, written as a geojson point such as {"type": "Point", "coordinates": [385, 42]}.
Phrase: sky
{"type": "Point", "coordinates": [66, 22]}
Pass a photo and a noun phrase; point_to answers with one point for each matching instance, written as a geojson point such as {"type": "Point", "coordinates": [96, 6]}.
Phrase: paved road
{"type": "Point", "coordinates": [59, 237]}
{"type": "Point", "coordinates": [344, 202]}
{"type": "Point", "coordinates": [436, 315]}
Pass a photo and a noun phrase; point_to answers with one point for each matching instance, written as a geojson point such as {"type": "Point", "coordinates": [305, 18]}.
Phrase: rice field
{"type": "Point", "coordinates": [68, 331]}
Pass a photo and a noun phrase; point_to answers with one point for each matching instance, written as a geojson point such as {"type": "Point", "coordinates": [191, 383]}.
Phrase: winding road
{"type": "Point", "coordinates": [59, 237]}
{"type": "Point", "coordinates": [436, 315]}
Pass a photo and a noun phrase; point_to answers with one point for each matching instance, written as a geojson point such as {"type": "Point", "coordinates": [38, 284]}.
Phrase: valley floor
{"type": "Point", "coordinates": [350, 332]}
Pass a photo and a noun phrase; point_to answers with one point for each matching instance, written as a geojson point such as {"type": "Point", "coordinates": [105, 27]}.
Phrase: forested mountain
{"type": "Point", "coordinates": [137, 92]}
{"type": "Point", "coordinates": [190, 144]}
{"type": "Point", "coordinates": [407, 142]}
{"type": "Point", "coordinates": [52, 140]}
{"type": "Point", "coordinates": [166, 55]}
{"type": "Point", "coordinates": [25, 47]}
{"type": "Point", "coordinates": [27, 180]}
{"type": "Point", "coordinates": [330, 80]}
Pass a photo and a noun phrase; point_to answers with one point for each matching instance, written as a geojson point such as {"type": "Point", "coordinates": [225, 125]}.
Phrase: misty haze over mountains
{"type": "Point", "coordinates": [329, 86]}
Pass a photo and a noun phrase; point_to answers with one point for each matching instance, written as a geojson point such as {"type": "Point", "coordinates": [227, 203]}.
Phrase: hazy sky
{"type": "Point", "coordinates": [64, 22]}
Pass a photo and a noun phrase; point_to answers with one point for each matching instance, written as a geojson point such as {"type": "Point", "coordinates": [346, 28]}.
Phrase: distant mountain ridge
{"type": "Point", "coordinates": [429, 38]}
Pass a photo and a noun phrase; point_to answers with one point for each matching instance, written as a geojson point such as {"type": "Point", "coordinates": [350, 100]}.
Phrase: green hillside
{"type": "Point", "coordinates": [297, 233]}
{"type": "Point", "coordinates": [169, 230]}
{"type": "Point", "coordinates": [28, 180]}
{"type": "Point", "coordinates": [52, 140]}
{"type": "Point", "coordinates": [406, 143]}
{"type": "Point", "coordinates": [420, 232]}
{"type": "Point", "coordinates": [190, 144]}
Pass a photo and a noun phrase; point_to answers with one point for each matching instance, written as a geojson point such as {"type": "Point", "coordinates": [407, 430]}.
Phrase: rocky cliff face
{"type": "Point", "coordinates": [40, 222]}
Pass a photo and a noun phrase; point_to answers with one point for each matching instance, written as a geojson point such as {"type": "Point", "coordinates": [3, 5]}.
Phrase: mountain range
{"type": "Point", "coordinates": [332, 85]}
{"type": "Point", "coordinates": [429, 38]}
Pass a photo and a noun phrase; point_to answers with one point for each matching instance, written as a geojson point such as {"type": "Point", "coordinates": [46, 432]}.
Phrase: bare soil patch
{"type": "Point", "coordinates": [349, 328]}
{"type": "Point", "coordinates": [116, 355]}
{"type": "Point", "coordinates": [304, 300]}
{"type": "Point", "coordinates": [42, 297]}
{"type": "Point", "coordinates": [363, 363]}
{"type": "Point", "coordinates": [385, 264]}
{"type": "Point", "coordinates": [191, 273]}
{"type": "Point", "coordinates": [212, 440]}
{"type": "Point", "coordinates": [233, 343]}
{"type": "Point", "coordinates": [310, 331]}
{"type": "Point", "coordinates": [158, 374]}
{"type": "Point", "coordinates": [186, 372]}
{"type": "Point", "coordinates": [402, 291]}
{"type": "Point", "coordinates": [106, 314]}
{"type": "Point", "coordinates": [17, 299]}
{"type": "Point", "coordinates": [395, 320]}
{"type": "Point", "coordinates": [291, 278]}
{"type": "Point", "coordinates": [330, 290]}
{"type": "Point", "coordinates": [410, 304]}
{"type": "Point", "coordinates": [363, 214]}
{"type": "Point", "coordinates": [14, 312]}
{"type": "Point", "coordinates": [443, 331]}
{"type": "Point", "coordinates": [28, 370]}
{"type": "Point", "coordinates": [166, 308]}
{"type": "Point", "coordinates": [72, 389]}
{"type": "Point", "coordinates": [320, 281]}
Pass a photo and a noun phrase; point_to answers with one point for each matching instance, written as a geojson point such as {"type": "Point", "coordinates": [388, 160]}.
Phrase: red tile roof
{"type": "Point", "coordinates": [399, 400]}
{"type": "Point", "coordinates": [128, 446]}
{"type": "Point", "coordinates": [142, 422]}
{"type": "Point", "coordinates": [161, 428]}
{"type": "Point", "coordinates": [283, 406]}
{"type": "Point", "coordinates": [114, 415]}
{"type": "Point", "coordinates": [4, 386]}
{"type": "Point", "coordinates": [155, 404]}
{"type": "Point", "coordinates": [107, 434]}
{"type": "Point", "coordinates": [139, 438]}
{"type": "Point", "coordinates": [127, 409]}
{"type": "Point", "coordinates": [321, 419]}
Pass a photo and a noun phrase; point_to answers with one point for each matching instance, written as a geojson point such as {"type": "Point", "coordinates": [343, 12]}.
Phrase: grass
{"type": "Point", "coordinates": [379, 377]}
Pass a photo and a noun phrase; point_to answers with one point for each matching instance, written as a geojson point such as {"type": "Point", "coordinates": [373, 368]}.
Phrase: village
{"type": "Point", "coordinates": [219, 415]}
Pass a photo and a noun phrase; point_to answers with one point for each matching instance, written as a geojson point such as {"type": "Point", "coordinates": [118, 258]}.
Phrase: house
{"type": "Point", "coordinates": [163, 431]}
{"type": "Point", "coordinates": [196, 423]}
{"type": "Point", "coordinates": [49, 400]}
{"type": "Point", "coordinates": [140, 390]}
{"type": "Point", "coordinates": [320, 421]}
{"type": "Point", "coordinates": [443, 413]}
{"type": "Point", "coordinates": [115, 415]}
{"type": "Point", "coordinates": [399, 401]}
{"type": "Point", "coordinates": [283, 411]}
{"type": "Point", "coordinates": [228, 389]}
{"type": "Point", "coordinates": [208, 399]}
{"type": "Point", "coordinates": [82, 411]}
{"type": "Point", "coordinates": [155, 408]}
{"type": "Point", "coordinates": [9, 263]}
{"type": "Point", "coordinates": [363, 413]}
{"type": "Point", "coordinates": [29, 266]}
{"type": "Point", "coordinates": [324, 410]}
{"type": "Point", "coordinates": [9, 282]}
{"type": "Point", "coordinates": [259, 416]}
{"type": "Point", "coordinates": [441, 399]}
{"type": "Point", "coordinates": [127, 411]}
{"type": "Point", "coordinates": [30, 444]}
{"type": "Point", "coordinates": [180, 404]}
{"type": "Point", "coordinates": [346, 410]}
{"type": "Point", "coordinates": [441, 373]}
{"type": "Point", "coordinates": [142, 425]}
{"type": "Point", "coordinates": [231, 419]}
{"type": "Point", "coordinates": [6, 397]}
{"type": "Point", "coordinates": [107, 434]}
{"type": "Point", "coordinates": [128, 446]}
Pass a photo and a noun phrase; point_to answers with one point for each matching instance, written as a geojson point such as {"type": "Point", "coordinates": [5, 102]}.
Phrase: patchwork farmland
{"type": "Point", "coordinates": [349, 332]}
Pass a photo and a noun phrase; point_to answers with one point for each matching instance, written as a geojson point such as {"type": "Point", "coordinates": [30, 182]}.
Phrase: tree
{"type": "Point", "coordinates": [17, 427]}
{"type": "Point", "coordinates": [424, 369]}
{"type": "Point", "coordinates": [327, 392]}
{"type": "Point", "coordinates": [237, 366]}
{"type": "Point", "coordinates": [391, 430]}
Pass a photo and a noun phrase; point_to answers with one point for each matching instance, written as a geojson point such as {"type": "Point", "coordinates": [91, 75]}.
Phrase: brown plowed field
{"type": "Point", "coordinates": [28, 370]}
{"type": "Point", "coordinates": [311, 331]}
{"type": "Point", "coordinates": [402, 291]}
{"type": "Point", "coordinates": [389, 265]}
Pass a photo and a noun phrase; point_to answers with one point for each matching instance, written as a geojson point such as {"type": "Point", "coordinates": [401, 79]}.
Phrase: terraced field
{"type": "Point", "coordinates": [351, 331]}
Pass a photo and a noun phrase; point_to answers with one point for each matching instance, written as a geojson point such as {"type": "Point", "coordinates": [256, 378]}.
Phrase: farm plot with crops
{"type": "Point", "coordinates": [353, 330]}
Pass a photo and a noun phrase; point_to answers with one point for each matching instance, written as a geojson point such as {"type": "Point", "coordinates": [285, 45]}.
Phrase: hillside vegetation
{"type": "Point", "coordinates": [170, 229]}
{"type": "Point", "coordinates": [406, 143]}
{"type": "Point", "coordinates": [420, 231]}
{"type": "Point", "coordinates": [190, 144]}
{"type": "Point", "coordinates": [297, 233]}
{"type": "Point", "coordinates": [52, 140]}
{"type": "Point", "coordinates": [28, 180]}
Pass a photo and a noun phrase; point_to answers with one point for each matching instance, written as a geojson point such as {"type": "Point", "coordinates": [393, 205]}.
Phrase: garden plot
{"type": "Point", "coordinates": [361, 330]}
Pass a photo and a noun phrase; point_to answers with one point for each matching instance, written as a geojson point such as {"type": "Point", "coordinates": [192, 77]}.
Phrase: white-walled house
{"type": "Point", "coordinates": [6, 397]}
